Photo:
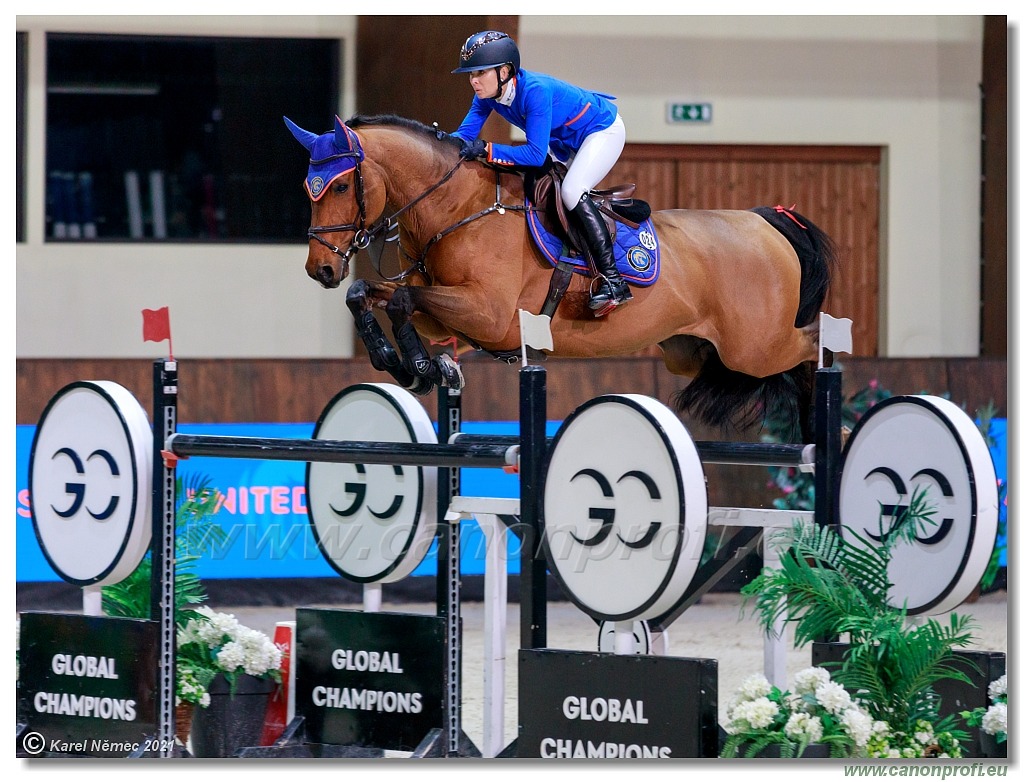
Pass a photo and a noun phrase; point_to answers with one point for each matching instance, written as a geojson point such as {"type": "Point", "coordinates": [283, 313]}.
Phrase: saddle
{"type": "Point", "coordinates": [616, 204]}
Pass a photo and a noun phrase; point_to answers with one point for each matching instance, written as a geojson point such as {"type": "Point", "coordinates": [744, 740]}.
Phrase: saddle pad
{"type": "Point", "coordinates": [637, 253]}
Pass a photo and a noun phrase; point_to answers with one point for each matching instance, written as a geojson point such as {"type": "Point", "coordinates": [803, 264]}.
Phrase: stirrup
{"type": "Point", "coordinates": [609, 296]}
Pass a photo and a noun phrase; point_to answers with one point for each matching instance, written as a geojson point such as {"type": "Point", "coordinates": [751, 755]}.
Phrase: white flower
{"type": "Point", "coordinates": [231, 656]}
{"type": "Point", "coordinates": [880, 728]}
{"type": "Point", "coordinates": [804, 726]}
{"type": "Point", "coordinates": [234, 647]}
{"type": "Point", "coordinates": [758, 713]}
{"type": "Point", "coordinates": [754, 686]}
{"type": "Point", "coordinates": [858, 726]}
{"type": "Point", "coordinates": [809, 679]}
{"type": "Point", "coordinates": [997, 688]}
{"type": "Point", "coordinates": [924, 737]}
{"type": "Point", "coordinates": [994, 720]}
{"type": "Point", "coordinates": [833, 697]}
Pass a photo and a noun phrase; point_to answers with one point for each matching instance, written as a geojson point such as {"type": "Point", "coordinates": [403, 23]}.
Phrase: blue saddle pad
{"type": "Point", "coordinates": [637, 253]}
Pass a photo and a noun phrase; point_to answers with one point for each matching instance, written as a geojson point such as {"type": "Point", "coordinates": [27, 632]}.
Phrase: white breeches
{"type": "Point", "coordinates": [593, 161]}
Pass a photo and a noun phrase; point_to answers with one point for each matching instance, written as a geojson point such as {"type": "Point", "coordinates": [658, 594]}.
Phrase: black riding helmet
{"type": "Point", "coordinates": [489, 49]}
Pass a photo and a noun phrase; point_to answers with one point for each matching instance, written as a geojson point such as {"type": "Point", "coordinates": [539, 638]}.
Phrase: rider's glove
{"type": "Point", "coordinates": [474, 150]}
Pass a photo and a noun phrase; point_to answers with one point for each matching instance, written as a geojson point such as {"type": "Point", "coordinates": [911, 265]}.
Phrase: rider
{"type": "Point", "coordinates": [581, 128]}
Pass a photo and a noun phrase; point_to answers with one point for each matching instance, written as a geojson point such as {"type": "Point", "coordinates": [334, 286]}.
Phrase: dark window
{"type": "Point", "coordinates": [155, 138]}
{"type": "Point", "coordinates": [22, 60]}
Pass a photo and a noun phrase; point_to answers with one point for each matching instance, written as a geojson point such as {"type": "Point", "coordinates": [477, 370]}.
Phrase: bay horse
{"type": "Point", "coordinates": [735, 309]}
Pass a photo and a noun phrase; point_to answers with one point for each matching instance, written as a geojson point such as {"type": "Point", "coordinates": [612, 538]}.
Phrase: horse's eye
{"type": "Point", "coordinates": [341, 187]}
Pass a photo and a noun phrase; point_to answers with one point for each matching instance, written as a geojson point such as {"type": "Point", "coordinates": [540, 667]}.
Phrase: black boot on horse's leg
{"type": "Point", "coordinates": [613, 290]}
{"type": "Point", "coordinates": [383, 356]}
{"type": "Point", "coordinates": [426, 371]}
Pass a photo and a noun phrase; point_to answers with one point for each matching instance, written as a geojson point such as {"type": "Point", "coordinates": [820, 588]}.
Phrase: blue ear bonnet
{"type": "Point", "coordinates": [330, 155]}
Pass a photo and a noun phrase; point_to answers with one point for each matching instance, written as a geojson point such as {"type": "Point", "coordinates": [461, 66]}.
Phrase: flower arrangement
{"type": "Point", "coordinates": [817, 711]}
{"type": "Point", "coordinates": [921, 741]}
{"type": "Point", "coordinates": [828, 586]}
{"type": "Point", "coordinates": [191, 685]}
{"type": "Point", "coordinates": [217, 643]}
{"type": "Point", "coordinates": [993, 719]}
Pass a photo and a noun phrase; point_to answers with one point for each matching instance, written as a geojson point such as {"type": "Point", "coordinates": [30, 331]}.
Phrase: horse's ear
{"type": "Point", "coordinates": [344, 139]}
{"type": "Point", "coordinates": [304, 137]}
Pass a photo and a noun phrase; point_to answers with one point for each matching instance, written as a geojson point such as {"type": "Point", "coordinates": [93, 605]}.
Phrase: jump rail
{"type": "Point", "coordinates": [345, 451]}
{"type": "Point", "coordinates": [710, 451]}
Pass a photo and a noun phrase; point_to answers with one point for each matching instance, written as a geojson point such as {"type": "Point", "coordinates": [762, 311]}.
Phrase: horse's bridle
{"type": "Point", "coordinates": [364, 236]}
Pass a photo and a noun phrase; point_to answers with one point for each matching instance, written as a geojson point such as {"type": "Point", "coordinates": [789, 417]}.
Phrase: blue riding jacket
{"type": "Point", "coordinates": [552, 113]}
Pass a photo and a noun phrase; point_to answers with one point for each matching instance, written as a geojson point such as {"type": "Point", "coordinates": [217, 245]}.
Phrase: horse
{"type": "Point", "coordinates": [735, 308]}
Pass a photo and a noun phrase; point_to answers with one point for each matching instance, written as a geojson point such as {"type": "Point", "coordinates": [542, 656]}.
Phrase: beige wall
{"type": "Point", "coordinates": [908, 84]}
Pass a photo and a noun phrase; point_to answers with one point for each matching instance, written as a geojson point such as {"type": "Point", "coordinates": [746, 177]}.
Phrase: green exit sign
{"type": "Point", "coordinates": [689, 112]}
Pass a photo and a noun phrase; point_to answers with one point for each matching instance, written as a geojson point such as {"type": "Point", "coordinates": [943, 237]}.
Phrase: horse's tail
{"type": "Point", "coordinates": [723, 398]}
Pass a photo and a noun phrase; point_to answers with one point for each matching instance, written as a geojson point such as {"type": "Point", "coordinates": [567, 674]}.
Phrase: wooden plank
{"type": "Point", "coordinates": [297, 390]}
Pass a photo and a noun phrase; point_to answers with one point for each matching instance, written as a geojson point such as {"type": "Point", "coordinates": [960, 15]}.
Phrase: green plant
{"type": "Point", "coordinates": [817, 711]}
{"type": "Point", "coordinates": [988, 579]}
{"type": "Point", "coordinates": [828, 586]}
{"type": "Point", "coordinates": [196, 531]}
{"type": "Point", "coordinates": [992, 719]}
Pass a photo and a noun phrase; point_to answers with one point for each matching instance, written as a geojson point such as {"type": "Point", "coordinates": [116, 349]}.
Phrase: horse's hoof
{"type": "Point", "coordinates": [451, 372]}
{"type": "Point", "coordinates": [420, 385]}
{"type": "Point", "coordinates": [357, 298]}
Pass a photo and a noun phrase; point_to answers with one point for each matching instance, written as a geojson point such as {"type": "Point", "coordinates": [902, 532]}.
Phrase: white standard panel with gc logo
{"type": "Point", "coordinates": [373, 522]}
{"type": "Point", "coordinates": [909, 443]}
{"type": "Point", "coordinates": [625, 508]}
{"type": "Point", "coordinates": [89, 477]}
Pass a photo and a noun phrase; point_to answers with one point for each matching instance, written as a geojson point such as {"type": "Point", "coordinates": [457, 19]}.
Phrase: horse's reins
{"type": "Point", "coordinates": [363, 236]}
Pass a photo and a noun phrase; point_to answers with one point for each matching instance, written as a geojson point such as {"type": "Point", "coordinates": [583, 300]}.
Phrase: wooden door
{"type": "Point", "coordinates": [836, 187]}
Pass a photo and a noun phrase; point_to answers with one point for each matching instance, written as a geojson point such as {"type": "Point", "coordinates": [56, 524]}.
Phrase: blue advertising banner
{"type": "Point", "coordinates": [263, 511]}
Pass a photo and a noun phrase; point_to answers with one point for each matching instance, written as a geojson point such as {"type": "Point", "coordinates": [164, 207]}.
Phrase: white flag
{"type": "Point", "coordinates": [836, 334]}
{"type": "Point", "coordinates": [535, 331]}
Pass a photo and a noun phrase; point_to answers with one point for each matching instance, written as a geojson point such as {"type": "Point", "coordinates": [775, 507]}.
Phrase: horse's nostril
{"type": "Point", "coordinates": [325, 274]}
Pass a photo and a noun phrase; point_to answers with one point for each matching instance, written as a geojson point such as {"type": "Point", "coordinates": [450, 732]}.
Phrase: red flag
{"type": "Point", "coordinates": [156, 327]}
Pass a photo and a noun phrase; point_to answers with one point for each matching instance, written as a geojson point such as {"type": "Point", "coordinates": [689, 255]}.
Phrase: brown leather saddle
{"type": "Point", "coordinates": [616, 204]}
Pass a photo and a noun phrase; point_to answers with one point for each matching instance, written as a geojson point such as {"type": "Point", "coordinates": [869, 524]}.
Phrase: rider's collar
{"type": "Point", "coordinates": [509, 94]}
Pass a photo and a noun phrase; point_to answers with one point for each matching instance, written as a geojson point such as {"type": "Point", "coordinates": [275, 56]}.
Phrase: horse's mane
{"type": "Point", "coordinates": [414, 126]}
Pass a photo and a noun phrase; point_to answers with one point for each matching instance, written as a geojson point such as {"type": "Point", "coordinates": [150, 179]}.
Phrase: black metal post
{"type": "Point", "coordinates": [533, 410]}
{"type": "Point", "coordinates": [162, 547]}
{"type": "Point", "coordinates": [828, 421]}
{"type": "Point", "coordinates": [449, 421]}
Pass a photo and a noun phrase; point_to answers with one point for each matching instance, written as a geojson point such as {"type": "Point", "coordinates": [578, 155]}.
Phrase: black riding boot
{"type": "Point", "coordinates": [613, 290]}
